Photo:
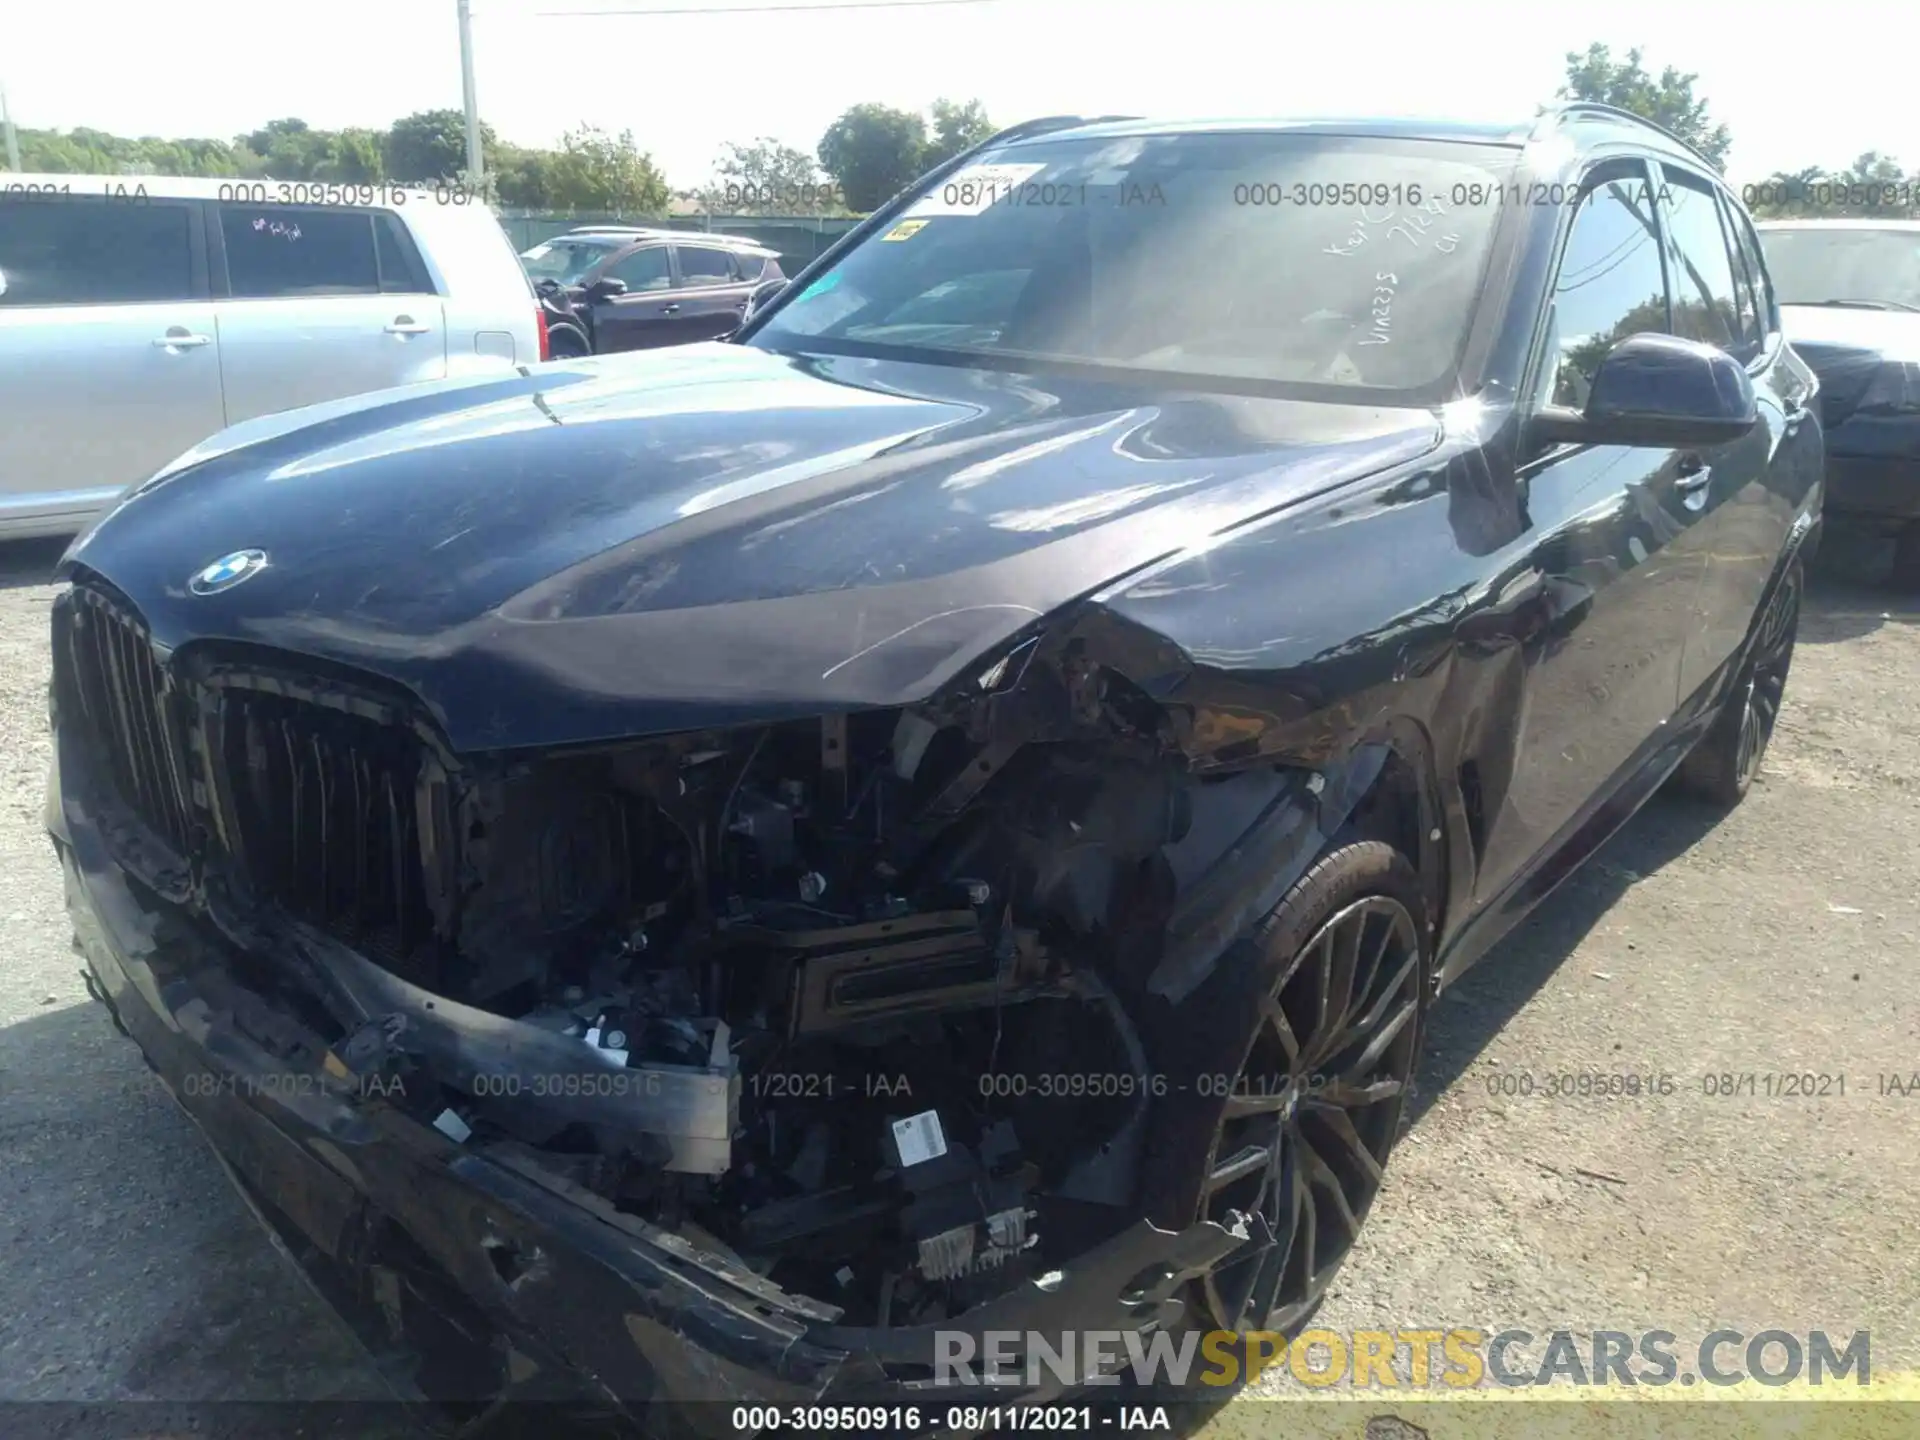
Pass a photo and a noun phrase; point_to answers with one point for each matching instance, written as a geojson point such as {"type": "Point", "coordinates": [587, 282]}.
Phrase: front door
{"type": "Point", "coordinates": [1611, 594]}
{"type": "Point", "coordinates": [642, 316]}
{"type": "Point", "coordinates": [109, 365]}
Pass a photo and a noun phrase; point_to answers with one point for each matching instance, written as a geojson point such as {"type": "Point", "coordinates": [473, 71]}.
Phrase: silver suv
{"type": "Point", "coordinates": [139, 315]}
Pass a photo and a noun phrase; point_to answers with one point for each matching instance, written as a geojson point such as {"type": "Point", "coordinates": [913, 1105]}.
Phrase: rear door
{"type": "Point", "coordinates": [1735, 520]}
{"type": "Point", "coordinates": [318, 305]}
{"type": "Point", "coordinates": [711, 292]}
{"type": "Point", "coordinates": [108, 362]}
{"type": "Point", "coordinates": [643, 317]}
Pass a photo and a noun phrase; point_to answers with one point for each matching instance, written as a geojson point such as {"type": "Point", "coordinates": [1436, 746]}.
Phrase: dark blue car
{"type": "Point", "coordinates": [1850, 292]}
{"type": "Point", "coordinates": [738, 871]}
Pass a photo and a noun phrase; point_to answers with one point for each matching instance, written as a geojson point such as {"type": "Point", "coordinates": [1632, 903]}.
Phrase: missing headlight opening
{"type": "Point", "coordinates": [854, 981]}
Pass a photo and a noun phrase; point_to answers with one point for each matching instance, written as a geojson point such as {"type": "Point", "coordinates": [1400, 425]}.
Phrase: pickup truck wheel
{"type": "Point", "coordinates": [1723, 764]}
{"type": "Point", "coordinates": [1296, 1058]}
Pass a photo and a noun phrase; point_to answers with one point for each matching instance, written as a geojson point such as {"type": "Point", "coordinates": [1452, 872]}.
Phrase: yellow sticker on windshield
{"type": "Point", "coordinates": [905, 230]}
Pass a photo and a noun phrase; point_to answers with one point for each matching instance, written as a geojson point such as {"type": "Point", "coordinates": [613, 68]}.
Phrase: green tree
{"type": "Point", "coordinates": [524, 178]}
{"type": "Point", "coordinates": [769, 178]}
{"type": "Point", "coordinates": [956, 127]}
{"type": "Point", "coordinates": [1668, 101]}
{"type": "Point", "coordinates": [1873, 187]}
{"type": "Point", "coordinates": [431, 145]}
{"type": "Point", "coordinates": [357, 155]}
{"type": "Point", "coordinates": [598, 171]}
{"type": "Point", "coordinates": [873, 151]}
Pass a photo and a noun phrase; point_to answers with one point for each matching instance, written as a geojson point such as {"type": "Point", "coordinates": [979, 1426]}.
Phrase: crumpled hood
{"type": "Point", "coordinates": [703, 535]}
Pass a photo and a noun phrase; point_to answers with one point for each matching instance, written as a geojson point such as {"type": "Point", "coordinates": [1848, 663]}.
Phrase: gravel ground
{"type": "Point", "coordinates": [1780, 939]}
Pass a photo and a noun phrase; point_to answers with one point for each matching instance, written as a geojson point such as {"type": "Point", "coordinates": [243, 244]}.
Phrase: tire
{"type": "Point", "coordinates": [1722, 765]}
{"type": "Point", "coordinates": [1905, 574]}
{"type": "Point", "coordinates": [1239, 1131]}
{"type": "Point", "coordinates": [567, 342]}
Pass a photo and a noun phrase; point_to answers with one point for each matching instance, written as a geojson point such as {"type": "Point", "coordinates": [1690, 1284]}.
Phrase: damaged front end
{"type": "Point", "coordinates": [770, 1052]}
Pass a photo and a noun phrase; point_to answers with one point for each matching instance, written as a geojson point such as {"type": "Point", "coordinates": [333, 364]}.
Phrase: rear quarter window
{"type": "Point", "coordinates": [402, 270]}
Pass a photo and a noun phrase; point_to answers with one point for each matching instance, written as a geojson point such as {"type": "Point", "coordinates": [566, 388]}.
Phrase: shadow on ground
{"type": "Point", "coordinates": [1471, 1014]}
{"type": "Point", "coordinates": [27, 563]}
{"type": "Point", "coordinates": [1850, 593]}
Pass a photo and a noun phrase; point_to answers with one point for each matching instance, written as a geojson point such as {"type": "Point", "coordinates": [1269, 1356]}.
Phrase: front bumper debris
{"type": "Point", "coordinates": [495, 1278]}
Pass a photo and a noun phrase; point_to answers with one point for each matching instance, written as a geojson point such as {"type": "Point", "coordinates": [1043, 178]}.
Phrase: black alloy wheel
{"type": "Point", "coordinates": [1723, 765]}
{"type": "Point", "coordinates": [1296, 1126]}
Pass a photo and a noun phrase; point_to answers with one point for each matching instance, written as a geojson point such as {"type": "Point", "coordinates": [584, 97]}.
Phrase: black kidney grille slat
{"type": "Point", "coordinates": [320, 804]}
{"type": "Point", "coordinates": [124, 701]}
{"type": "Point", "coordinates": [326, 824]}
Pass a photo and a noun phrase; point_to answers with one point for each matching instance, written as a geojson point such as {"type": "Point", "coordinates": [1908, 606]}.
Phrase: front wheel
{"type": "Point", "coordinates": [1722, 766]}
{"type": "Point", "coordinates": [1293, 1063]}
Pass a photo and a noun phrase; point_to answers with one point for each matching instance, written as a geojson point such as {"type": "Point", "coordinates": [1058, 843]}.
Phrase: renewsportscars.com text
{"type": "Point", "coordinates": [1417, 1359]}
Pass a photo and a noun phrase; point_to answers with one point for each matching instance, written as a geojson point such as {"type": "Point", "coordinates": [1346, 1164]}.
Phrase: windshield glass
{"type": "Point", "coordinates": [1812, 266]}
{"type": "Point", "coordinates": [1292, 259]}
{"type": "Point", "coordinates": [567, 261]}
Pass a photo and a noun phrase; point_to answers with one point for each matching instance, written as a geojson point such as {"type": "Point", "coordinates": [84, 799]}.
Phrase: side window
{"type": "Point", "coordinates": [1748, 308]}
{"type": "Point", "coordinates": [282, 250]}
{"type": "Point", "coordinates": [1748, 246]}
{"type": "Point", "coordinates": [64, 251]}
{"type": "Point", "coordinates": [401, 269]}
{"type": "Point", "coordinates": [643, 270]}
{"type": "Point", "coordinates": [1610, 286]}
{"type": "Point", "coordinates": [1704, 307]}
{"type": "Point", "coordinates": [750, 267]}
{"type": "Point", "coordinates": [701, 267]}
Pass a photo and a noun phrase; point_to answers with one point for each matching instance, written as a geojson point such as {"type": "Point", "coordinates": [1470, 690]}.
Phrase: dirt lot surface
{"type": "Point", "coordinates": [1785, 938]}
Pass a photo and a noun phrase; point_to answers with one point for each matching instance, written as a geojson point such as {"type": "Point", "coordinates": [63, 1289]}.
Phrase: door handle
{"type": "Point", "coordinates": [178, 339]}
{"type": "Point", "coordinates": [670, 309]}
{"type": "Point", "coordinates": [1691, 473]}
{"type": "Point", "coordinates": [406, 325]}
{"type": "Point", "coordinates": [1796, 412]}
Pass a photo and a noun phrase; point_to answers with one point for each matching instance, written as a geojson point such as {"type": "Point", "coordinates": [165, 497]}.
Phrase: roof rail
{"type": "Point", "coordinates": [1047, 124]}
{"type": "Point", "coordinates": [1614, 112]}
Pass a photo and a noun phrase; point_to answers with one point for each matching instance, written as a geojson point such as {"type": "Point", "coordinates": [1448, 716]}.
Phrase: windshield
{"type": "Point", "coordinates": [1811, 267]}
{"type": "Point", "coordinates": [567, 261]}
{"type": "Point", "coordinates": [1292, 259]}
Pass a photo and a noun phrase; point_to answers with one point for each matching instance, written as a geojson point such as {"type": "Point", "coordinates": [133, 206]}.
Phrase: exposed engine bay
{"type": "Point", "coordinates": [836, 972]}
{"type": "Point", "coordinates": [849, 1001]}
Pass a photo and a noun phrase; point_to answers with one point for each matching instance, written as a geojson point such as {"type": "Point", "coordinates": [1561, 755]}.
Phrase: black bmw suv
{"type": "Point", "coordinates": [733, 872]}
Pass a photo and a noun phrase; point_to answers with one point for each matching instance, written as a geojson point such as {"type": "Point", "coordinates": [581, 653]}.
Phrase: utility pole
{"type": "Point", "coordinates": [476, 162]}
{"type": "Point", "coordinates": [6, 124]}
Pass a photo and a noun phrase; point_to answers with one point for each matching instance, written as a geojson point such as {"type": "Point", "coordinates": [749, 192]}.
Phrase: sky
{"type": "Point", "coordinates": [686, 83]}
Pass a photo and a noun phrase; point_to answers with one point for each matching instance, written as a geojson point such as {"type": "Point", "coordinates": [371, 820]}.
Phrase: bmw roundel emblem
{"type": "Point", "coordinates": [227, 572]}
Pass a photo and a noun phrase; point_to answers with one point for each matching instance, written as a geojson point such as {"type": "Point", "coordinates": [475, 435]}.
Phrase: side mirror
{"type": "Point", "coordinates": [763, 295]}
{"type": "Point", "coordinates": [606, 288]}
{"type": "Point", "coordinates": [1658, 390]}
